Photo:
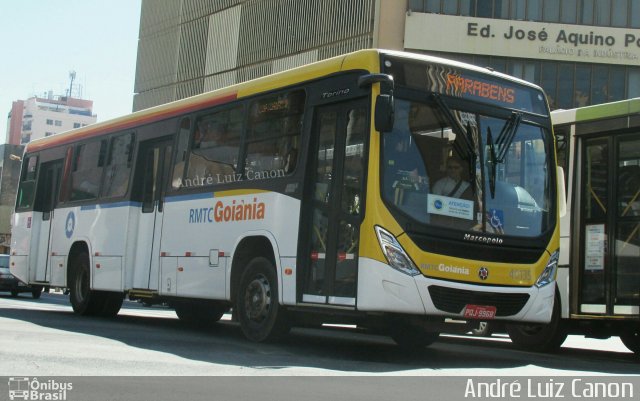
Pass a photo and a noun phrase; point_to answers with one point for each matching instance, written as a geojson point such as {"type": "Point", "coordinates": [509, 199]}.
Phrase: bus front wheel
{"type": "Point", "coordinates": [540, 337]}
{"type": "Point", "coordinates": [261, 316]}
{"type": "Point", "coordinates": [631, 340]}
{"type": "Point", "coordinates": [409, 336]}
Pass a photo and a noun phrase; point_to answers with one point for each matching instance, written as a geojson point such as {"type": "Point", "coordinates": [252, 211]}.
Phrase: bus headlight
{"type": "Point", "coordinates": [549, 273]}
{"type": "Point", "coordinates": [396, 256]}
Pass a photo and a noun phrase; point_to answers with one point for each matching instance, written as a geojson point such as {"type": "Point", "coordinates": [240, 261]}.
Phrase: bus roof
{"type": "Point", "coordinates": [598, 111]}
{"type": "Point", "coordinates": [368, 59]}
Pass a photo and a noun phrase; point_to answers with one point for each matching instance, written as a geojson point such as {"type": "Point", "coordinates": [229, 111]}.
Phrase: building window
{"type": "Point", "coordinates": [484, 8]}
{"type": "Point", "coordinates": [551, 11]}
{"type": "Point", "coordinates": [466, 8]}
{"type": "Point", "coordinates": [76, 125]}
{"type": "Point", "coordinates": [517, 9]}
{"type": "Point", "coordinates": [433, 6]}
{"type": "Point", "coordinates": [568, 12]}
{"type": "Point", "coordinates": [583, 79]}
{"type": "Point", "coordinates": [450, 7]}
{"type": "Point", "coordinates": [48, 133]}
{"type": "Point", "coordinates": [635, 10]}
{"type": "Point", "coordinates": [58, 123]}
{"type": "Point", "coordinates": [534, 10]}
{"type": "Point", "coordinates": [633, 87]}
{"type": "Point", "coordinates": [587, 12]}
{"type": "Point", "coordinates": [49, 122]}
{"type": "Point", "coordinates": [620, 9]}
{"type": "Point", "coordinates": [602, 13]}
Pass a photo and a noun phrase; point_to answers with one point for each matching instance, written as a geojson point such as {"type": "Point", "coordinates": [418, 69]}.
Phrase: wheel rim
{"type": "Point", "coordinates": [81, 285]}
{"type": "Point", "coordinates": [257, 299]}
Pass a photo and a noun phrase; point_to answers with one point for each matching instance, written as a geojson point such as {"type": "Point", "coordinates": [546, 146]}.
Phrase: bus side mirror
{"type": "Point", "coordinates": [562, 196]}
{"type": "Point", "coordinates": [384, 108]}
{"type": "Point", "coordinates": [384, 113]}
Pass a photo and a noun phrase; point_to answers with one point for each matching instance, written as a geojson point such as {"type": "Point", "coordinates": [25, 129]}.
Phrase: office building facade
{"type": "Point", "coordinates": [581, 52]}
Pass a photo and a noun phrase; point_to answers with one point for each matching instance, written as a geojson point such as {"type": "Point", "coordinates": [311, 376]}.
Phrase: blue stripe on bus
{"type": "Point", "coordinates": [111, 205]}
{"type": "Point", "coordinates": [180, 198]}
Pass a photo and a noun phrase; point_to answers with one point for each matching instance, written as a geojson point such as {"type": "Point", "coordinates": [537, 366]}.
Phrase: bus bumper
{"type": "Point", "coordinates": [384, 289]}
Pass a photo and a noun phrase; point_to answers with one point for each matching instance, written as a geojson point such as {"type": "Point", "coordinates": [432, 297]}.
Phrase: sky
{"type": "Point", "coordinates": [41, 41]}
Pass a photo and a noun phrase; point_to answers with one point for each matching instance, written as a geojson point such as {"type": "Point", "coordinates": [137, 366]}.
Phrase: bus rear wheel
{"type": "Point", "coordinates": [200, 313]}
{"type": "Point", "coordinates": [36, 291]}
{"type": "Point", "coordinates": [261, 316]}
{"type": "Point", "coordinates": [83, 300]}
{"type": "Point", "coordinates": [631, 340]}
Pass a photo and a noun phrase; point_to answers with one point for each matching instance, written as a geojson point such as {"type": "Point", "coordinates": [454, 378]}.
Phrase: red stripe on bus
{"type": "Point", "coordinates": [57, 140]}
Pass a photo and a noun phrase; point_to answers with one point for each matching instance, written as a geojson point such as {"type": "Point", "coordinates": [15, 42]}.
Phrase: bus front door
{"type": "Point", "coordinates": [330, 229]}
{"type": "Point", "coordinates": [152, 175]}
{"type": "Point", "coordinates": [45, 202]}
{"type": "Point", "coordinates": [609, 251]}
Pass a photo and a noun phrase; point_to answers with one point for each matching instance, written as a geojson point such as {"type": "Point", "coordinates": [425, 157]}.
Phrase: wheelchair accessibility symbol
{"type": "Point", "coordinates": [496, 219]}
{"type": "Point", "coordinates": [70, 225]}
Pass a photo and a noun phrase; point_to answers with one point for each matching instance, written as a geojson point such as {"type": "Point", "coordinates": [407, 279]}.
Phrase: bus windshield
{"type": "Point", "coordinates": [459, 169]}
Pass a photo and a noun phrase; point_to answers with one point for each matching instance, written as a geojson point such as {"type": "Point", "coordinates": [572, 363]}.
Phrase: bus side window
{"type": "Point", "coordinates": [215, 148]}
{"type": "Point", "coordinates": [27, 188]}
{"type": "Point", "coordinates": [86, 170]}
{"type": "Point", "coordinates": [119, 163]}
{"type": "Point", "coordinates": [181, 154]}
{"type": "Point", "coordinates": [273, 137]}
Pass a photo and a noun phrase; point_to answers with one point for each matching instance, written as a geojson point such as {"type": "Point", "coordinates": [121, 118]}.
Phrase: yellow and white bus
{"type": "Point", "coordinates": [307, 196]}
{"type": "Point", "coordinates": [599, 269]}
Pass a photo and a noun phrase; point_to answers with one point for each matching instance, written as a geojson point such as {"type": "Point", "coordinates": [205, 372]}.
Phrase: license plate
{"type": "Point", "coordinates": [479, 312]}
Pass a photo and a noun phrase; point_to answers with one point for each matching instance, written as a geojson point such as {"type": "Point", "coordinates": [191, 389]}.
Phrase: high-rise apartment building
{"type": "Point", "coordinates": [38, 117]}
{"type": "Point", "coordinates": [581, 52]}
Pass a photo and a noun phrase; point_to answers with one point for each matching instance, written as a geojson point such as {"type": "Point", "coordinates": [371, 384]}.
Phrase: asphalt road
{"type": "Point", "coordinates": [44, 337]}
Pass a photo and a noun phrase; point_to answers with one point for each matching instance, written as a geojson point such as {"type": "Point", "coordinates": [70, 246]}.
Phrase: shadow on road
{"type": "Point", "coordinates": [348, 351]}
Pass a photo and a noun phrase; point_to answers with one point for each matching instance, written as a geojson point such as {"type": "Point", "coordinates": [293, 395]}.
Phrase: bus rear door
{"type": "Point", "coordinates": [152, 174]}
{"type": "Point", "coordinates": [609, 250]}
{"type": "Point", "coordinates": [45, 202]}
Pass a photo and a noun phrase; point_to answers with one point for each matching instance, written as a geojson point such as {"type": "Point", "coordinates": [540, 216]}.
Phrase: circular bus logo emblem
{"type": "Point", "coordinates": [483, 273]}
{"type": "Point", "coordinates": [438, 204]}
{"type": "Point", "coordinates": [70, 224]}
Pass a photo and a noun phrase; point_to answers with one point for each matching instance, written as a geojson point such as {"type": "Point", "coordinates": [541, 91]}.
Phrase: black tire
{"type": "Point", "coordinates": [111, 304]}
{"type": "Point", "coordinates": [261, 316]}
{"type": "Point", "coordinates": [540, 337]}
{"type": "Point", "coordinates": [36, 291]}
{"type": "Point", "coordinates": [631, 340]}
{"type": "Point", "coordinates": [483, 329]}
{"type": "Point", "coordinates": [411, 337]}
{"type": "Point", "coordinates": [83, 300]}
{"type": "Point", "coordinates": [200, 313]}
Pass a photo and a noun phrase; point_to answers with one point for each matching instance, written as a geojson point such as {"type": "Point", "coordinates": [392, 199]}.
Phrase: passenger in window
{"type": "Point", "coordinates": [453, 185]}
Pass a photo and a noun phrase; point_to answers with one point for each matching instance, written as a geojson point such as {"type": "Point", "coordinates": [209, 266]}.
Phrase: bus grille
{"type": "Point", "coordinates": [453, 300]}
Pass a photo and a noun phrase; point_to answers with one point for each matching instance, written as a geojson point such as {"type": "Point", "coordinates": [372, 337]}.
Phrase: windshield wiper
{"type": "Point", "coordinates": [493, 161]}
{"type": "Point", "coordinates": [503, 142]}
{"type": "Point", "coordinates": [506, 135]}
